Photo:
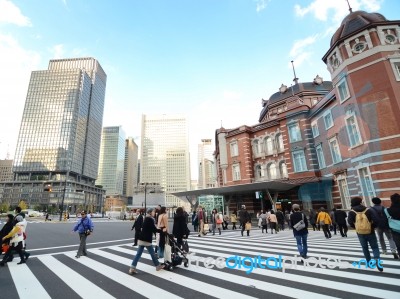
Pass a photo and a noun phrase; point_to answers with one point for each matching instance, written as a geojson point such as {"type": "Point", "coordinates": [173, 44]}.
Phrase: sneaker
{"type": "Point", "coordinates": [159, 267]}
{"type": "Point", "coordinates": [77, 256]}
{"type": "Point", "coordinates": [132, 271]}
{"type": "Point", "coordinates": [21, 262]}
{"type": "Point", "coordinates": [395, 255]}
{"type": "Point", "coordinates": [379, 268]}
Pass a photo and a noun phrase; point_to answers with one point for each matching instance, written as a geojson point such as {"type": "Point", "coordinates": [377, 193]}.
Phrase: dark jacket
{"type": "Point", "coordinates": [195, 219]}
{"type": "Point", "coordinates": [394, 212]}
{"type": "Point", "coordinates": [352, 216]}
{"type": "Point", "coordinates": [138, 223]}
{"type": "Point", "coordinates": [295, 218]}
{"type": "Point", "coordinates": [180, 228]}
{"type": "Point", "coordinates": [148, 229]}
{"type": "Point", "coordinates": [244, 216]}
{"type": "Point", "coordinates": [280, 217]}
{"type": "Point", "coordinates": [340, 217]}
{"type": "Point", "coordinates": [379, 217]}
{"type": "Point", "coordinates": [6, 229]}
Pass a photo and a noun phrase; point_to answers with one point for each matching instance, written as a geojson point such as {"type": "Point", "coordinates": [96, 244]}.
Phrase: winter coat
{"type": "Point", "coordinates": [379, 217]}
{"type": "Point", "coordinates": [340, 217]}
{"type": "Point", "coordinates": [280, 217]}
{"type": "Point", "coordinates": [233, 218]}
{"type": "Point", "coordinates": [324, 216]}
{"type": "Point", "coordinates": [244, 216]}
{"type": "Point", "coordinates": [294, 219]}
{"type": "Point", "coordinates": [138, 223]}
{"type": "Point", "coordinates": [180, 228]}
{"type": "Point", "coordinates": [148, 229]}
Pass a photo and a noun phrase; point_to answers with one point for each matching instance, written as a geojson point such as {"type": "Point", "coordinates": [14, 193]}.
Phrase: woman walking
{"type": "Point", "coordinates": [180, 229]}
{"type": "Point", "coordinates": [234, 219]}
{"type": "Point", "coordinates": [163, 226]}
{"type": "Point", "coordinates": [16, 242]}
{"type": "Point", "coordinates": [216, 221]}
{"type": "Point", "coordinates": [145, 241]}
{"type": "Point", "coordinates": [195, 222]}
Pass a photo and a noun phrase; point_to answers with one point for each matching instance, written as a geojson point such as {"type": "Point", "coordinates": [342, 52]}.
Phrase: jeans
{"type": "Point", "coordinates": [302, 244]}
{"type": "Point", "coordinates": [388, 234]}
{"type": "Point", "coordinates": [82, 244]}
{"type": "Point", "coordinates": [373, 242]}
{"type": "Point", "coordinates": [139, 254]}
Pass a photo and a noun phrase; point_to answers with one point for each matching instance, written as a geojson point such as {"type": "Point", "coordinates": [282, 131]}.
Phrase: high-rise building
{"type": "Point", "coordinates": [112, 160]}
{"type": "Point", "coordinates": [59, 138]}
{"type": "Point", "coordinates": [6, 173]}
{"type": "Point", "coordinates": [130, 166]}
{"type": "Point", "coordinates": [165, 154]}
{"type": "Point", "coordinates": [205, 162]}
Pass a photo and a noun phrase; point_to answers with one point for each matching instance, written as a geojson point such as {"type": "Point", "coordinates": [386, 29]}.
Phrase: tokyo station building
{"type": "Point", "coordinates": [320, 143]}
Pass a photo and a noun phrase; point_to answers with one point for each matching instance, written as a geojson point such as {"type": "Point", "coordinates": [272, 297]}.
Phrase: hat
{"type": "Point", "coordinates": [243, 206]}
{"type": "Point", "coordinates": [149, 210]}
{"type": "Point", "coordinates": [19, 218]}
{"type": "Point", "coordinates": [296, 207]}
{"type": "Point", "coordinates": [356, 201]}
{"type": "Point", "coordinates": [376, 200]}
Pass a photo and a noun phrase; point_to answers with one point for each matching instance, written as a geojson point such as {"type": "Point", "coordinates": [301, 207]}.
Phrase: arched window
{"type": "Point", "coordinates": [283, 170]}
{"type": "Point", "coordinates": [272, 171]}
{"type": "Point", "coordinates": [279, 142]}
{"type": "Point", "coordinates": [268, 145]}
{"type": "Point", "coordinates": [256, 147]}
{"type": "Point", "coordinates": [259, 171]}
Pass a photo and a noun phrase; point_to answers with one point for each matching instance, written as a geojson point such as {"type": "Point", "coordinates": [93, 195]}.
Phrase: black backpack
{"type": "Point", "coordinates": [379, 217]}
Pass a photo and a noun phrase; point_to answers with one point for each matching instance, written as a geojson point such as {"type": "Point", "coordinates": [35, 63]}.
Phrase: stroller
{"type": "Point", "coordinates": [174, 255]}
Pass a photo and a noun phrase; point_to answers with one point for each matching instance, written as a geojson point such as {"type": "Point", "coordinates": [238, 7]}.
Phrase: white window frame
{"type": "Point", "coordinates": [234, 149]}
{"type": "Point", "coordinates": [325, 115]}
{"type": "Point", "coordinates": [257, 147]}
{"type": "Point", "coordinates": [279, 142]}
{"type": "Point", "coordinates": [282, 167]}
{"type": "Point", "coordinates": [267, 150]}
{"type": "Point", "coordinates": [395, 63]}
{"type": "Point", "coordinates": [314, 128]}
{"type": "Point", "coordinates": [236, 172]}
{"type": "Point", "coordinates": [350, 128]}
{"type": "Point", "coordinates": [335, 150]}
{"type": "Point", "coordinates": [298, 132]}
{"type": "Point", "coordinates": [344, 192]}
{"type": "Point", "coordinates": [272, 176]}
{"type": "Point", "coordinates": [260, 174]}
{"type": "Point", "coordinates": [343, 86]}
{"type": "Point", "coordinates": [298, 165]}
{"type": "Point", "coordinates": [367, 186]}
{"type": "Point", "coordinates": [320, 156]}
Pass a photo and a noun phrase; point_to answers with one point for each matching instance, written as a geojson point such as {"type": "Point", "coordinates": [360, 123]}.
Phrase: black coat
{"type": "Point", "coordinates": [148, 229]}
{"type": "Point", "coordinates": [295, 218]}
{"type": "Point", "coordinates": [352, 217]}
{"type": "Point", "coordinates": [244, 216]}
{"type": "Point", "coordinates": [138, 223]}
{"type": "Point", "coordinates": [6, 229]}
{"type": "Point", "coordinates": [340, 217]}
{"type": "Point", "coordinates": [180, 228]}
{"type": "Point", "coordinates": [394, 212]}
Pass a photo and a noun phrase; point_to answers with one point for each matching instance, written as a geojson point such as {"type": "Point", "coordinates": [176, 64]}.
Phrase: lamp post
{"type": "Point", "coordinates": [145, 200]}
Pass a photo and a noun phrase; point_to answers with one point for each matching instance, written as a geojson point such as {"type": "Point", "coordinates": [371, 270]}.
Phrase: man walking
{"type": "Point", "coordinates": [244, 217]}
{"type": "Point", "coordinates": [360, 218]}
{"type": "Point", "coordinates": [340, 217]}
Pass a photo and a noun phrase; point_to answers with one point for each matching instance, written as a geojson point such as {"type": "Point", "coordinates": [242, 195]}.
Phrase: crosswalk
{"type": "Point", "coordinates": [104, 272]}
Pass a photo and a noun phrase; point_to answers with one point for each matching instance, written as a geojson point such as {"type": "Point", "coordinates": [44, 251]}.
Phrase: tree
{"type": "Point", "coordinates": [22, 204]}
{"type": "Point", "coordinates": [4, 207]}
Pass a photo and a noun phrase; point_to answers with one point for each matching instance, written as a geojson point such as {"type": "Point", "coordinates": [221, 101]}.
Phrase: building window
{"type": "Point", "coordinates": [353, 131]}
{"type": "Point", "coordinates": [359, 46]}
{"type": "Point", "coordinates": [256, 147]}
{"type": "Point", "coordinates": [396, 68]}
{"type": "Point", "coordinates": [344, 192]}
{"type": "Point", "coordinates": [320, 156]}
{"type": "Point", "coordinates": [367, 187]}
{"type": "Point", "coordinates": [328, 119]}
{"type": "Point", "coordinates": [294, 132]}
{"type": "Point", "coordinates": [279, 142]}
{"type": "Point", "coordinates": [283, 170]}
{"type": "Point", "coordinates": [268, 145]}
{"type": "Point", "coordinates": [260, 171]}
{"type": "Point", "coordinates": [234, 149]}
{"type": "Point", "coordinates": [314, 128]}
{"type": "Point", "coordinates": [299, 161]}
{"type": "Point", "coordinates": [343, 90]}
{"type": "Point", "coordinates": [236, 172]}
{"type": "Point", "coordinates": [335, 150]}
{"type": "Point", "coordinates": [272, 171]}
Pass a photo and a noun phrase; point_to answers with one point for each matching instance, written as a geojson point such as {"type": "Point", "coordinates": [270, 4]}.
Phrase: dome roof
{"type": "Point", "coordinates": [354, 22]}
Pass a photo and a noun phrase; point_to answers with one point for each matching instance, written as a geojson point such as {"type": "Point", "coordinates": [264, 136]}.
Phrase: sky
{"type": "Point", "coordinates": [211, 60]}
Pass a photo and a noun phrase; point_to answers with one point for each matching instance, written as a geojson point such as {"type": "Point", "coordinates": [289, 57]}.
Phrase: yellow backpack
{"type": "Point", "coordinates": [362, 224]}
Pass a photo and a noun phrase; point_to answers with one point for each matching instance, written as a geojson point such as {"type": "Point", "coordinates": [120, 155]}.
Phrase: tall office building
{"type": "Point", "coordinates": [59, 138]}
{"type": "Point", "coordinates": [6, 173]}
{"type": "Point", "coordinates": [130, 167]}
{"type": "Point", "coordinates": [111, 162]}
{"type": "Point", "coordinates": [165, 154]}
{"type": "Point", "coordinates": [206, 165]}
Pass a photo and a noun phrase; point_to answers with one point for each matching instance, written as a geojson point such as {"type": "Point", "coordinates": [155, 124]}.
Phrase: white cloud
{"type": "Point", "coordinates": [57, 51]}
{"type": "Point", "coordinates": [299, 45]}
{"type": "Point", "coordinates": [261, 4]}
{"type": "Point", "coordinates": [10, 13]}
{"type": "Point", "coordinates": [16, 64]}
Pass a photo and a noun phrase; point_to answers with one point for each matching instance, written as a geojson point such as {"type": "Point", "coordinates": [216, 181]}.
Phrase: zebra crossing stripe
{"type": "Point", "coordinates": [125, 279]}
{"type": "Point", "coordinates": [262, 285]}
{"type": "Point", "coordinates": [74, 280]}
{"type": "Point", "coordinates": [26, 281]}
{"type": "Point", "coordinates": [171, 276]}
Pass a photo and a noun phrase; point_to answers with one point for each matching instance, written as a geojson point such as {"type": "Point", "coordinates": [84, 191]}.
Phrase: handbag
{"type": "Point", "coordinates": [393, 223]}
{"type": "Point", "coordinates": [168, 253]}
{"type": "Point", "coordinates": [206, 227]}
{"type": "Point", "coordinates": [247, 226]}
{"type": "Point", "coordinates": [219, 220]}
{"type": "Point", "coordinates": [300, 225]}
{"type": "Point", "coordinates": [4, 248]}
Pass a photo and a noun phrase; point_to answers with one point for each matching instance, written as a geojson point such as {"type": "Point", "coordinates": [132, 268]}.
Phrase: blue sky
{"type": "Point", "coordinates": [212, 60]}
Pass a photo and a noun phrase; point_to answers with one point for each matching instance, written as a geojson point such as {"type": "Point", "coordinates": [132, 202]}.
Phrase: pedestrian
{"type": "Point", "coordinates": [382, 226]}
{"type": "Point", "coordinates": [394, 213]}
{"type": "Point", "coordinates": [137, 226]}
{"type": "Point", "coordinates": [47, 216]}
{"type": "Point", "coordinates": [234, 219]}
{"type": "Point", "coordinates": [180, 229]}
{"type": "Point", "coordinates": [202, 219]}
{"type": "Point", "coordinates": [163, 226]}
{"type": "Point", "coordinates": [195, 221]}
{"type": "Point", "coordinates": [273, 222]}
{"type": "Point", "coordinates": [8, 226]}
{"type": "Point", "coordinates": [145, 241]}
{"type": "Point", "coordinates": [216, 221]}
{"type": "Point", "coordinates": [264, 224]}
{"type": "Point", "coordinates": [16, 242]}
{"type": "Point", "coordinates": [313, 219]}
{"type": "Point", "coordinates": [259, 219]}
{"type": "Point", "coordinates": [226, 222]}
{"type": "Point", "coordinates": [324, 221]}
{"type": "Point", "coordinates": [299, 223]}
{"type": "Point", "coordinates": [340, 217]}
{"type": "Point", "coordinates": [85, 227]}
{"type": "Point", "coordinates": [157, 214]}
{"type": "Point", "coordinates": [333, 224]}
{"type": "Point", "coordinates": [360, 218]}
{"type": "Point", "coordinates": [281, 219]}
{"type": "Point", "coordinates": [287, 218]}
{"type": "Point", "coordinates": [245, 220]}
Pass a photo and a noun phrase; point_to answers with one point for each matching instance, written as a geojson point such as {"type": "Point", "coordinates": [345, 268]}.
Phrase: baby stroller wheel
{"type": "Point", "coordinates": [170, 268]}
{"type": "Point", "coordinates": [186, 264]}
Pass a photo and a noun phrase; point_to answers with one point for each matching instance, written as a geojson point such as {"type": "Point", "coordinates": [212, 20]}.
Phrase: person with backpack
{"type": "Point", "coordinates": [393, 215]}
{"type": "Point", "coordinates": [324, 221]}
{"type": "Point", "coordinates": [299, 223]}
{"type": "Point", "coordinates": [360, 218]}
{"type": "Point", "coordinates": [382, 226]}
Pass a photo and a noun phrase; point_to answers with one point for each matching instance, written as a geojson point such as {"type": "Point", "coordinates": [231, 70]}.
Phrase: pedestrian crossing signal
{"type": "Point", "coordinates": [259, 195]}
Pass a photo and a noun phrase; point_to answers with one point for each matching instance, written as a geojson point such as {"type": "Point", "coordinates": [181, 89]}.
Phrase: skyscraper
{"type": "Point", "coordinates": [165, 154]}
{"type": "Point", "coordinates": [130, 166]}
{"type": "Point", "coordinates": [111, 162]}
{"type": "Point", "coordinates": [205, 162]}
{"type": "Point", "coordinates": [59, 138]}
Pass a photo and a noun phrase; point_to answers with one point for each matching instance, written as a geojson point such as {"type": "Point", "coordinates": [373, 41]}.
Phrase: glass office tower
{"type": "Point", "coordinates": [59, 138]}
